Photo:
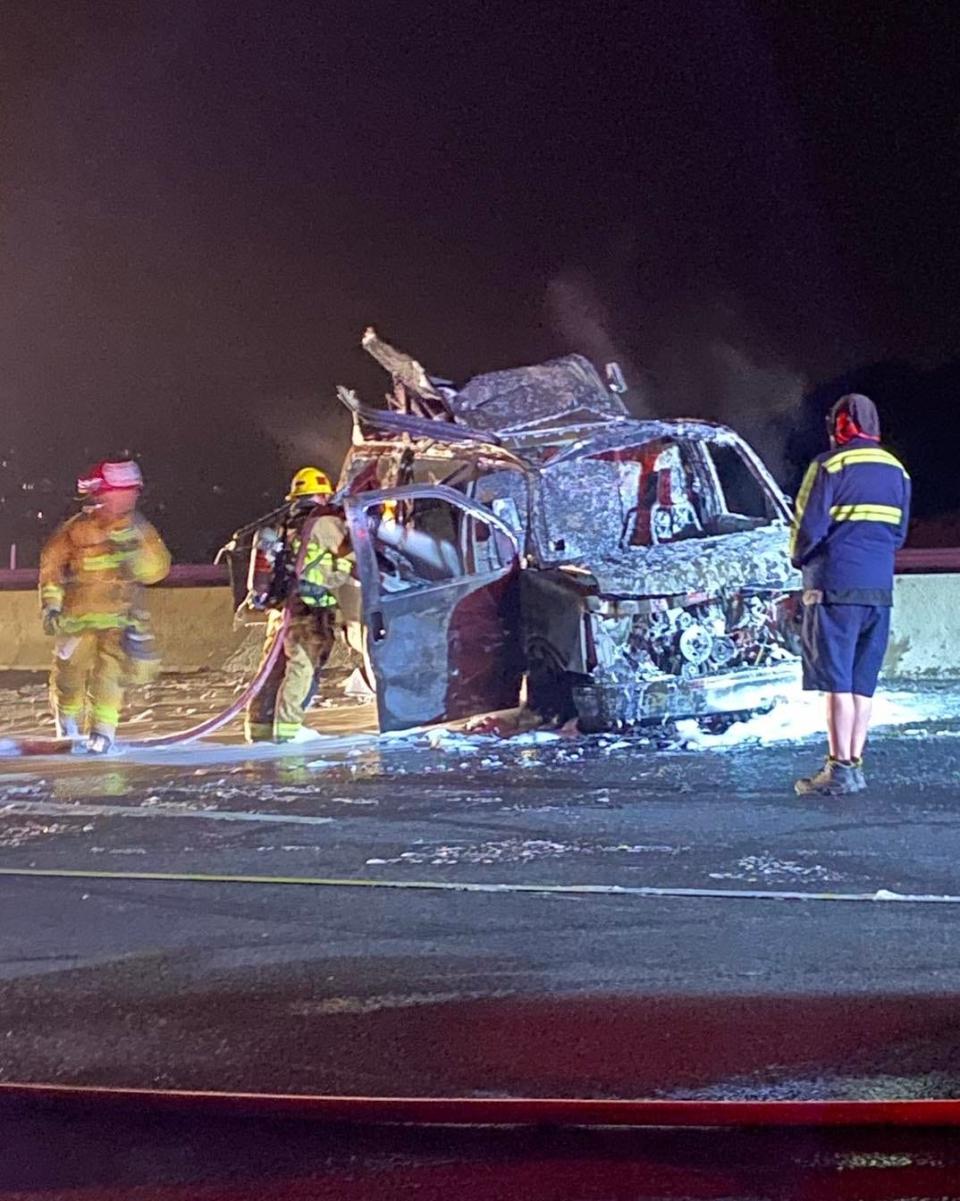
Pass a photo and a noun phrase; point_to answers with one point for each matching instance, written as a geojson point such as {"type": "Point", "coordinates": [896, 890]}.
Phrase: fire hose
{"type": "Point", "coordinates": [219, 720]}
{"type": "Point", "coordinates": [463, 1110]}
{"type": "Point", "coordinates": [212, 724]}
{"type": "Point", "coordinates": [53, 746]}
{"type": "Point", "coordinates": [60, 746]}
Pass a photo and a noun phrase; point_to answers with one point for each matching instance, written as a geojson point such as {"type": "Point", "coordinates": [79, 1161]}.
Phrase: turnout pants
{"type": "Point", "coordinates": [276, 713]}
{"type": "Point", "coordinates": [86, 683]}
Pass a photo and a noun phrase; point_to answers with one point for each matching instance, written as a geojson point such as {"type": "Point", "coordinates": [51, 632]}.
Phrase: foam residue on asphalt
{"type": "Point", "coordinates": [801, 717]}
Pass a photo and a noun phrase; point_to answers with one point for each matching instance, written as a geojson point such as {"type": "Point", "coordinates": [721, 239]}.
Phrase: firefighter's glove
{"type": "Point", "coordinates": [51, 621]}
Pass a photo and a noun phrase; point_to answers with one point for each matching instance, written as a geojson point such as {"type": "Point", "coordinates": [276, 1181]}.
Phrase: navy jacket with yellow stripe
{"type": "Point", "coordinates": [852, 515]}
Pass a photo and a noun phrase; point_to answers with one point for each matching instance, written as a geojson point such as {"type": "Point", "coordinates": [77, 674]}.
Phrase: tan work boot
{"type": "Point", "coordinates": [833, 779]}
{"type": "Point", "coordinates": [99, 743]}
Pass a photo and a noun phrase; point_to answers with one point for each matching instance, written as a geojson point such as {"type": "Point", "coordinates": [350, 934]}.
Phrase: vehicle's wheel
{"type": "Point", "coordinates": [593, 724]}
{"type": "Point", "coordinates": [599, 708]}
{"type": "Point", "coordinates": [550, 691]}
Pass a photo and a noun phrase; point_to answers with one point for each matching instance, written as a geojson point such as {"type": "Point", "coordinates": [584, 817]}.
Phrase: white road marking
{"type": "Point", "coordinates": [67, 809]}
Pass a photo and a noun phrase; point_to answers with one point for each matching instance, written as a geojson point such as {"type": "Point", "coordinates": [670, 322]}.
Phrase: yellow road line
{"type": "Point", "coordinates": [624, 890]}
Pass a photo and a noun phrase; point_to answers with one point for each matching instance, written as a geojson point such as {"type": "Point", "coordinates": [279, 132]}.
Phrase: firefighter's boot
{"type": "Point", "coordinates": [835, 778]}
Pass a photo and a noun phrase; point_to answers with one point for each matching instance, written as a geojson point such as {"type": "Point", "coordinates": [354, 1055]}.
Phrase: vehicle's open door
{"type": "Point", "coordinates": [439, 576]}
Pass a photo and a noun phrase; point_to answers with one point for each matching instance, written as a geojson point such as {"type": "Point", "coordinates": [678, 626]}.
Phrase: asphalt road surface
{"type": "Point", "coordinates": [49, 1157]}
{"type": "Point", "coordinates": [327, 988]}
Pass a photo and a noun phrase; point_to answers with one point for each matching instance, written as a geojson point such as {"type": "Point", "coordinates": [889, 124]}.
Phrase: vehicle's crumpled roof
{"type": "Point", "coordinates": [712, 565]}
{"type": "Point", "coordinates": [629, 432]}
{"type": "Point", "coordinates": [564, 389]}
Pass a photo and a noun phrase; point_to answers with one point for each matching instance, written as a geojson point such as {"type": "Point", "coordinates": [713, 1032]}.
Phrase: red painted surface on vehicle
{"type": "Point", "coordinates": [483, 656]}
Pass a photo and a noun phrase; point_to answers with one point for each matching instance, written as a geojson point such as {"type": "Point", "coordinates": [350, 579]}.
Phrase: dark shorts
{"type": "Point", "coordinates": [843, 647]}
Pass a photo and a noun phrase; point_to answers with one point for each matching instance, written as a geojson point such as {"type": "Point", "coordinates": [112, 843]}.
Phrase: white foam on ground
{"type": "Point", "coordinates": [209, 751]}
{"type": "Point", "coordinates": [799, 717]}
{"type": "Point", "coordinates": [802, 716]}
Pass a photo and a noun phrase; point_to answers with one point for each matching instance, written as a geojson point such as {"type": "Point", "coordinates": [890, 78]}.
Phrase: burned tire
{"type": "Point", "coordinates": [550, 690]}
{"type": "Point", "coordinates": [602, 708]}
{"type": "Point", "coordinates": [590, 724]}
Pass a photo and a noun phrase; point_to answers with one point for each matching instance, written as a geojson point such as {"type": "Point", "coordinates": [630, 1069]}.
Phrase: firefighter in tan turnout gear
{"type": "Point", "coordinates": [92, 573]}
{"type": "Point", "coordinates": [282, 571]}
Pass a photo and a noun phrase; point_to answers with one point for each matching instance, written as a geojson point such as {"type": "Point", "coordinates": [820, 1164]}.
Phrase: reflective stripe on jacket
{"type": "Point", "coordinates": [93, 570]}
{"type": "Point", "coordinates": [327, 562]}
{"type": "Point", "coordinates": [853, 511]}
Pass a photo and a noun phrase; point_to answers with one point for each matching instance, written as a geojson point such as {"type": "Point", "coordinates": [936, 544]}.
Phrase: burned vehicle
{"type": "Point", "coordinates": [526, 525]}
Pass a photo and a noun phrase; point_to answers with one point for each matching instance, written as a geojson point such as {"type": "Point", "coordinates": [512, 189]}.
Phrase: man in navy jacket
{"type": "Point", "coordinates": [852, 515]}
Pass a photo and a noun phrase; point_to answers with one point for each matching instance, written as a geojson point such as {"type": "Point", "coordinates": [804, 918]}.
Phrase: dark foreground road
{"type": "Point", "coordinates": [49, 1157]}
{"type": "Point", "coordinates": [372, 990]}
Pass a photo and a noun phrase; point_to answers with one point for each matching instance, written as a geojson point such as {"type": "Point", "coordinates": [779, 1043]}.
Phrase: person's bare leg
{"type": "Point", "coordinates": [841, 719]}
{"type": "Point", "coordinates": [862, 708]}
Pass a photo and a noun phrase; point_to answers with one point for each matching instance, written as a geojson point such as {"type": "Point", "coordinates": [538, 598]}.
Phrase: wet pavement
{"type": "Point", "coordinates": [383, 988]}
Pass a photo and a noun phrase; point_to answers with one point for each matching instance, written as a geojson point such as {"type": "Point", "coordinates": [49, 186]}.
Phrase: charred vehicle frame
{"type": "Point", "coordinates": [634, 570]}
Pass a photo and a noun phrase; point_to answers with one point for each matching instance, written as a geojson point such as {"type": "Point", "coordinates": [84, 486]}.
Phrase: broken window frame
{"type": "Point", "coordinates": [357, 508]}
{"type": "Point", "coordinates": [780, 511]}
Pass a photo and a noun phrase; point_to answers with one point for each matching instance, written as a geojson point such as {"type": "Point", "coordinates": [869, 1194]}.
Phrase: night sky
{"type": "Point", "coordinates": [203, 204]}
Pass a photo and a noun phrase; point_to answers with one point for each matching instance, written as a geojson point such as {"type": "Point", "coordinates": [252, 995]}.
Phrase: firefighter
{"type": "Point", "coordinates": [276, 713]}
{"type": "Point", "coordinates": [92, 573]}
{"type": "Point", "coordinates": [852, 515]}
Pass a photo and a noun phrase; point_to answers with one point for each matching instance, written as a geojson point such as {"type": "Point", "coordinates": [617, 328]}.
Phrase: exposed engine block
{"type": "Point", "coordinates": [710, 637]}
{"type": "Point", "coordinates": [699, 637]}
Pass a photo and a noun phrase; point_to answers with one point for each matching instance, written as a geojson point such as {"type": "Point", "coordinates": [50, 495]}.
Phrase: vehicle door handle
{"type": "Point", "coordinates": [378, 630]}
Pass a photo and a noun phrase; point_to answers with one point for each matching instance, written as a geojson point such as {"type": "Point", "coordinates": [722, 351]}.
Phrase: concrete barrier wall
{"type": "Point", "coordinates": [194, 627]}
{"type": "Point", "coordinates": [925, 634]}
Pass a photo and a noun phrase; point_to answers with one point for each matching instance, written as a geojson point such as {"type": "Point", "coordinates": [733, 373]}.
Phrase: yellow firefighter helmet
{"type": "Point", "coordinates": [310, 481]}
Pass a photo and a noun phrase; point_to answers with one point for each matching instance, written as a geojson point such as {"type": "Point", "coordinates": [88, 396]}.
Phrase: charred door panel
{"type": "Point", "coordinates": [443, 643]}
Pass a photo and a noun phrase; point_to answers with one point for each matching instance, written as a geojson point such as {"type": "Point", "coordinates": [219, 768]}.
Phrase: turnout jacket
{"type": "Point", "coordinates": [327, 562]}
{"type": "Point", "coordinates": [852, 514]}
{"type": "Point", "coordinates": [93, 570]}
